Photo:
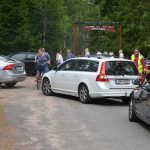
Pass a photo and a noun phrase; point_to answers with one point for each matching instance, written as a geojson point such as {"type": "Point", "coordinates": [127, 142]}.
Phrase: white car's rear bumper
{"type": "Point", "coordinates": [102, 90]}
{"type": "Point", "coordinates": [111, 93]}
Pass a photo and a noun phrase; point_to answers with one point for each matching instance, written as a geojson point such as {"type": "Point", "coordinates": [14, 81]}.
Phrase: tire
{"type": "Point", "coordinates": [84, 94]}
{"type": "Point", "coordinates": [46, 87]}
{"type": "Point", "coordinates": [125, 100]}
{"type": "Point", "coordinates": [132, 114]}
{"type": "Point", "coordinates": [11, 84]}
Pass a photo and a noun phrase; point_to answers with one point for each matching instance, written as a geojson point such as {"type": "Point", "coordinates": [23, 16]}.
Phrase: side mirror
{"type": "Point", "coordinates": [55, 68]}
{"type": "Point", "coordinates": [137, 81]}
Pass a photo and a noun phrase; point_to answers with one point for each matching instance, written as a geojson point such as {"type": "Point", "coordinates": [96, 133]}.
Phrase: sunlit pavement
{"type": "Point", "coordinates": [63, 123]}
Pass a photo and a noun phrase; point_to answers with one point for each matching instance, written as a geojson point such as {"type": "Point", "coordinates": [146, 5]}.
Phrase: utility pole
{"type": "Point", "coordinates": [120, 36]}
{"type": "Point", "coordinates": [44, 27]}
{"type": "Point", "coordinates": [75, 38]}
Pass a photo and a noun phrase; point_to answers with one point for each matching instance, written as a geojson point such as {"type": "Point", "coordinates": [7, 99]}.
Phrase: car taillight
{"type": "Point", "coordinates": [8, 67]}
{"type": "Point", "coordinates": [102, 77]}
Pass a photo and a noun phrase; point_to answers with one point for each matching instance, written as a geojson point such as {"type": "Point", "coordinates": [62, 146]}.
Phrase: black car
{"type": "Point", "coordinates": [147, 62]}
{"type": "Point", "coordinates": [139, 107]}
{"type": "Point", "coordinates": [28, 59]}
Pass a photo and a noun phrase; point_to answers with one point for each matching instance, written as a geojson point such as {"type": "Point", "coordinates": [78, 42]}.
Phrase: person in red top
{"type": "Point", "coordinates": [138, 60]}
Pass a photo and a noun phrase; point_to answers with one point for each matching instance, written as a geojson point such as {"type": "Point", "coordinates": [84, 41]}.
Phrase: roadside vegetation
{"type": "Point", "coordinates": [29, 24]}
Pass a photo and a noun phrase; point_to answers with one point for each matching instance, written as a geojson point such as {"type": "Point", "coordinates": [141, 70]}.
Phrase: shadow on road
{"type": "Point", "coordinates": [98, 101]}
{"type": "Point", "coordinates": [144, 125]}
{"type": "Point", "coordinates": [9, 88]}
{"type": "Point", "coordinates": [108, 102]}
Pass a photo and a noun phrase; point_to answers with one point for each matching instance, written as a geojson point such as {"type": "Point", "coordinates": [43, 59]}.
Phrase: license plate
{"type": "Point", "coordinates": [19, 68]}
{"type": "Point", "coordinates": [122, 81]}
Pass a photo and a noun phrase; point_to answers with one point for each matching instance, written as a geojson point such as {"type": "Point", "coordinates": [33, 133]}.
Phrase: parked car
{"type": "Point", "coordinates": [147, 62]}
{"type": "Point", "coordinates": [139, 107]}
{"type": "Point", "coordinates": [89, 78]}
{"type": "Point", "coordinates": [11, 71]}
{"type": "Point", "coordinates": [28, 59]}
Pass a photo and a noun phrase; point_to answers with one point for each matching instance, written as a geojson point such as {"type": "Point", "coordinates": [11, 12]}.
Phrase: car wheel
{"type": "Point", "coordinates": [46, 87]}
{"type": "Point", "coordinates": [132, 115]}
{"type": "Point", "coordinates": [11, 84]}
{"type": "Point", "coordinates": [125, 100]}
{"type": "Point", "coordinates": [84, 94]}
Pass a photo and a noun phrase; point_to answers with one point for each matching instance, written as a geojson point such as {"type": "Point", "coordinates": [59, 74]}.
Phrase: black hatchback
{"type": "Point", "coordinates": [28, 59]}
{"type": "Point", "coordinates": [139, 107]}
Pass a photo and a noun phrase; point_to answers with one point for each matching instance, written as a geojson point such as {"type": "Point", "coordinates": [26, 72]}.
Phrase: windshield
{"type": "Point", "coordinates": [121, 68]}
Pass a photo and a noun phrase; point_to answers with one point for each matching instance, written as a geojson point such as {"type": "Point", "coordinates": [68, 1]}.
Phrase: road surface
{"type": "Point", "coordinates": [62, 123]}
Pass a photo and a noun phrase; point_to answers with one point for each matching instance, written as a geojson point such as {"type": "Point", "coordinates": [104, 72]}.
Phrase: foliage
{"type": "Point", "coordinates": [26, 25]}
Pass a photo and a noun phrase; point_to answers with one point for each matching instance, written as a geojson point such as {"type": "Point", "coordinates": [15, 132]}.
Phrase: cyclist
{"type": "Point", "coordinates": [48, 60]}
{"type": "Point", "coordinates": [41, 60]}
{"type": "Point", "coordinates": [138, 60]}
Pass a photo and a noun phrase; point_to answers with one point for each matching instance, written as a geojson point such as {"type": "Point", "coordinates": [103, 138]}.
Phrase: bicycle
{"type": "Point", "coordinates": [39, 82]}
{"type": "Point", "coordinates": [40, 68]}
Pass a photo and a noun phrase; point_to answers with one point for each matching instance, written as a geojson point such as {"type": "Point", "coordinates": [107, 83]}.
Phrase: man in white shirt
{"type": "Point", "coordinates": [59, 58]}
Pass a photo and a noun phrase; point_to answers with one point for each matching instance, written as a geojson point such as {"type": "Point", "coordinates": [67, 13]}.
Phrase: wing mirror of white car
{"type": "Point", "coordinates": [136, 81]}
{"type": "Point", "coordinates": [55, 68]}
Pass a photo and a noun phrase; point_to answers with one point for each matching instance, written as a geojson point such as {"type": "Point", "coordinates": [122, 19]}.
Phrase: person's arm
{"type": "Point", "coordinates": [36, 59]}
{"type": "Point", "coordinates": [48, 58]}
{"type": "Point", "coordinates": [143, 64]}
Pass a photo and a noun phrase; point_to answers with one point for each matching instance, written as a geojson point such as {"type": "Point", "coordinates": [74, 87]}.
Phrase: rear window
{"type": "Point", "coordinates": [121, 68]}
{"type": "Point", "coordinates": [19, 57]}
{"type": "Point", "coordinates": [31, 56]}
{"type": "Point", "coordinates": [6, 59]}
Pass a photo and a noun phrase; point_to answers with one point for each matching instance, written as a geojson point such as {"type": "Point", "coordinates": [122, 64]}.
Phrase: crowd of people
{"type": "Point", "coordinates": [42, 59]}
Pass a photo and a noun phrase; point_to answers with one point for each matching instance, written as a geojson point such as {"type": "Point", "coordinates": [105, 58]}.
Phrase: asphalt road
{"type": "Point", "coordinates": [63, 123]}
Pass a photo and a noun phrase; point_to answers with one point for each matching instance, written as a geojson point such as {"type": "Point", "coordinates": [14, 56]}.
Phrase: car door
{"type": "Point", "coordinates": [142, 99]}
{"type": "Point", "coordinates": [145, 99]}
{"type": "Point", "coordinates": [85, 73]}
{"type": "Point", "coordinates": [62, 80]}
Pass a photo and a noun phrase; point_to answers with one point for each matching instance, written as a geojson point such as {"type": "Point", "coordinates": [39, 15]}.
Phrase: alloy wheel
{"type": "Point", "coordinates": [46, 87]}
{"type": "Point", "coordinates": [84, 94]}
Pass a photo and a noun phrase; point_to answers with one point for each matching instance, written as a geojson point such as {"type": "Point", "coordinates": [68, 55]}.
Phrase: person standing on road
{"type": "Point", "coordinates": [41, 60]}
{"type": "Point", "coordinates": [69, 54]}
{"type": "Point", "coordinates": [111, 54]}
{"type": "Point", "coordinates": [59, 58]}
{"type": "Point", "coordinates": [105, 53]}
{"type": "Point", "coordinates": [121, 55]}
{"type": "Point", "coordinates": [86, 53]}
{"type": "Point", "coordinates": [48, 60]}
{"type": "Point", "coordinates": [138, 60]}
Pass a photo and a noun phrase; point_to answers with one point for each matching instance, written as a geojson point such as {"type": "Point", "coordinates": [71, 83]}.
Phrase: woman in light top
{"type": "Point", "coordinates": [121, 55]}
{"type": "Point", "coordinates": [86, 53]}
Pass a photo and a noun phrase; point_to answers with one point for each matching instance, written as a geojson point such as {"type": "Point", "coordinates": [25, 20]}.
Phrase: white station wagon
{"type": "Point", "coordinates": [89, 78]}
